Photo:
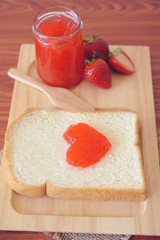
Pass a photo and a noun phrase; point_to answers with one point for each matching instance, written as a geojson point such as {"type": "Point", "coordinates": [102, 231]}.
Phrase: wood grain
{"type": "Point", "coordinates": [60, 97]}
{"type": "Point", "coordinates": [23, 236]}
{"type": "Point", "coordinates": [127, 92]}
{"type": "Point", "coordinates": [119, 22]}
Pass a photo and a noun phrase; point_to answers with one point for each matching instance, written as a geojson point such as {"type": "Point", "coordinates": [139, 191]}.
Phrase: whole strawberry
{"type": "Point", "coordinates": [120, 62]}
{"type": "Point", "coordinates": [96, 44]}
{"type": "Point", "coordinates": [98, 73]}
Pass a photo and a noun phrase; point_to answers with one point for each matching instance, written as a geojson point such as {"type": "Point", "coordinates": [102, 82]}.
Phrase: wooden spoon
{"type": "Point", "coordinates": [60, 97]}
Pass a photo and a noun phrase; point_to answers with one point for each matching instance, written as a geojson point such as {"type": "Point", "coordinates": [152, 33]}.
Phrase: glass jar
{"type": "Point", "coordinates": [59, 49]}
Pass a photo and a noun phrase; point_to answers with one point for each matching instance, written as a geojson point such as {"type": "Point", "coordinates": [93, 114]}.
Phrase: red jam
{"type": "Point", "coordinates": [59, 49]}
{"type": "Point", "coordinates": [88, 145]}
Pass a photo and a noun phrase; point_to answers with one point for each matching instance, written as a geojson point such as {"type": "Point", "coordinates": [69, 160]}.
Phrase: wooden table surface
{"type": "Point", "coordinates": [119, 22]}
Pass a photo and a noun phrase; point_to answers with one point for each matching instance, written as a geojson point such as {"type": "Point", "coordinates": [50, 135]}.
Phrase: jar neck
{"type": "Point", "coordinates": [51, 14]}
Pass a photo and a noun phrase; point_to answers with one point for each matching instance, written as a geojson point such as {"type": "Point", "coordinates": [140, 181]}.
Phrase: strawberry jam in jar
{"type": "Point", "coordinates": [59, 46]}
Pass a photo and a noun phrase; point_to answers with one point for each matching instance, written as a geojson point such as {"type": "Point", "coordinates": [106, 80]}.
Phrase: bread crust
{"type": "Point", "coordinates": [96, 193]}
{"type": "Point", "coordinates": [73, 193]}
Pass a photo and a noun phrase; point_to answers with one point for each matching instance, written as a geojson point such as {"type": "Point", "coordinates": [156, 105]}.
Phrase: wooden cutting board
{"type": "Point", "coordinates": [131, 92]}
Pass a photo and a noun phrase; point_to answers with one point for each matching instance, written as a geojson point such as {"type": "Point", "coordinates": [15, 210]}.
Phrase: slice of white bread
{"type": "Point", "coordinates": [35, 157]}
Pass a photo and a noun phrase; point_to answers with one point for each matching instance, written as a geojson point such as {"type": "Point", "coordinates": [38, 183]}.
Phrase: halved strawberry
{"type": "Point", "coordinates": [98, 73]}
{"type": "Point", "coordinates": [120, 62]}
{"type": "Point", "coordinates": [96, 44]}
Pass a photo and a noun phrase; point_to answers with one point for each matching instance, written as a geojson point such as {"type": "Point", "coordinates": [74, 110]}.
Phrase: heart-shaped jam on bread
{"type": "Point", "coordinates": [88, 145]}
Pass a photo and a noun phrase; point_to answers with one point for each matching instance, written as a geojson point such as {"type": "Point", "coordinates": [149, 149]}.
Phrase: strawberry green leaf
{"type": "Point", "coordinates": [95, 37]}
{"type": "Point", "coordinates": [95, 55]}
{"type": "Point", "coordinates": [87, 61]}
{"type": "Point", "coordinates": [114, 51]}
{"type": "Point", "coordinates": [90, 40]}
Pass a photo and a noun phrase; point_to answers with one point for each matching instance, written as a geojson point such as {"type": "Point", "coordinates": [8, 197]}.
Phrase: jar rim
{"type": "Point", "coordinates": [35, 29]}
